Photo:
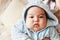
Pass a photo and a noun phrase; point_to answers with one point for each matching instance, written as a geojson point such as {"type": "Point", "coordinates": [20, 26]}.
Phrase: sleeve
{"type": "Point", "coordinates": [53, 34]}
{"type": "Point", "coordinates": [16, 32]}
{"type": "Point", "coordinates": [16, 35]}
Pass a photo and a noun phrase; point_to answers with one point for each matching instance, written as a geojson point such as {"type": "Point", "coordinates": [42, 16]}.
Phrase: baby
{"type": "Point", "coordinates": [37, 23]}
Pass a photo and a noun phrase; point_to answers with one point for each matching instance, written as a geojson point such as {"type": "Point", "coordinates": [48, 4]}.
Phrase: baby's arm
{"type": "Point", "coordinates": [53, 34]}
{"type": "Point", "coordinates": [17, 33]}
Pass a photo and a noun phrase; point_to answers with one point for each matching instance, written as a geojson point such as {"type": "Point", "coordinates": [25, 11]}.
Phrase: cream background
{"type": "Point", "coordinates": [10, 12]}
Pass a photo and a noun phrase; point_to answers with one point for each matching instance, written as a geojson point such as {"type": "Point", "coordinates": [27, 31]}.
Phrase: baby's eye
{"type": "Point", "coordinates": [31, 17]}
{"type": "Point", "coordinates": [41, 16]}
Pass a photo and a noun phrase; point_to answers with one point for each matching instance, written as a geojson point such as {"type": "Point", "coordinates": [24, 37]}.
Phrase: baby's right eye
{"type": "Point", "coordinates": [31, 17]}
{"type": "Point", "coordinates": [41, 17]}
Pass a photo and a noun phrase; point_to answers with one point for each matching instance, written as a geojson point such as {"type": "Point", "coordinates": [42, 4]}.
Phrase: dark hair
{"type": "Point", "coordinates": [47, 17]}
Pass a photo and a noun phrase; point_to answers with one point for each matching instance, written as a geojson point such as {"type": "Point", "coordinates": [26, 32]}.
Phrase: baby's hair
{"type": "Point", "coordinates": [47, 17]}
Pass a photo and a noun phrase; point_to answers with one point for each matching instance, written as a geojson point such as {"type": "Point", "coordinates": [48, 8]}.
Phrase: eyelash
{"type": "Point", "coordinates": [39, 17]}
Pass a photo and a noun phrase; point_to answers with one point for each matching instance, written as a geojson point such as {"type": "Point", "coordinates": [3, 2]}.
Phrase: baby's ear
{"type": "Point", "coordinates": [46, 38]}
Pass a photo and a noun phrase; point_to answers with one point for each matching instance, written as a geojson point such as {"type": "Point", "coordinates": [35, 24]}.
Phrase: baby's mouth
{"type": "Point", "coordinates": [36, 25]}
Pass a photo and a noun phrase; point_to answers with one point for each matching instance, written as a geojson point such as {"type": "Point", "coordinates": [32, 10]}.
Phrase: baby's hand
{"type": "Point", "coordinates": [46, 38]}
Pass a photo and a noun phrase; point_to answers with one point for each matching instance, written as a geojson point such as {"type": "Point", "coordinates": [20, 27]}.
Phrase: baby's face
{"type": "Point", "coordinates": [36, 19]}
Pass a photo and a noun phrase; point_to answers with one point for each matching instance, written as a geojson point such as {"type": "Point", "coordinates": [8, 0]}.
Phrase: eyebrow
{"type": "Point", "coordinates": [43, 14]}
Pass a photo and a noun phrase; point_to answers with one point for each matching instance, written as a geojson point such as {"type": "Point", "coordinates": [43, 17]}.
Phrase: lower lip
{"type": "Point", "coordinates": [36, 25]}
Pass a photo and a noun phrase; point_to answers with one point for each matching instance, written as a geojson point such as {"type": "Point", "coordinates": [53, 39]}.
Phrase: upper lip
{"type": "Point", "coordinates": [36, 24]}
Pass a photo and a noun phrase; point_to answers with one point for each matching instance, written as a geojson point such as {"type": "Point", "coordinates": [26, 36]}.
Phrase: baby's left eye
{"type": "Point", "coordinates": [41, 17]}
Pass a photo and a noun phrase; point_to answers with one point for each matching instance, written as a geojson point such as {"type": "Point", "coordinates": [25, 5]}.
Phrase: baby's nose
{"type": "Point", "coordinates": [36, 19]}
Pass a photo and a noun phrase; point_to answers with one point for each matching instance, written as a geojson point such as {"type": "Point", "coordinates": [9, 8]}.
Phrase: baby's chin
{"type": "Point", "coordinates": [35, 29]}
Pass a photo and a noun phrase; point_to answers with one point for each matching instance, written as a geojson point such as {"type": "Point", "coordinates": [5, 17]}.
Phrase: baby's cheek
{"type": "Point", "coordinates": [42, 23]}
{"type": "Point", "coordinates": [29, 24]}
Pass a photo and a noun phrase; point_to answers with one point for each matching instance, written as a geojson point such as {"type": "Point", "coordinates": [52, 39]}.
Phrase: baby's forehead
{"type": "Point", "coordinates": [36, 10]}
